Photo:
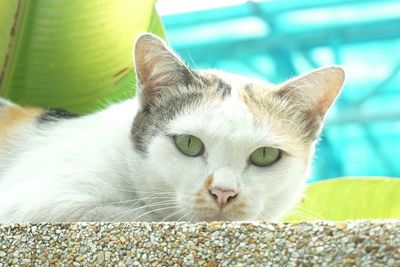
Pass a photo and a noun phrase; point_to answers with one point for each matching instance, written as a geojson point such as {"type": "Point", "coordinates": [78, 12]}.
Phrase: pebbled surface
{"type": "Point", "coordinates": [321, 243]}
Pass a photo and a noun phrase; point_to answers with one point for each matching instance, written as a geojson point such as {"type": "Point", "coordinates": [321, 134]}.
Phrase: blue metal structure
{"type": "Point", "coordinates": [277, 39]}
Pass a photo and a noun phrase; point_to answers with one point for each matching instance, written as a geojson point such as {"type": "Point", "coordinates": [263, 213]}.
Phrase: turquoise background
{"type": "Point", "coordinates": [276, 40]}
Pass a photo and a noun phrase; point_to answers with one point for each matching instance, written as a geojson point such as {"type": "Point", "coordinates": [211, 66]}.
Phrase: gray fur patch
{"type": "Point", "coordinates": [153, 119]}
{"type": "Point", "coordinates": [212, 80]}
{"type": "Point", "coordinates": [54, 115]}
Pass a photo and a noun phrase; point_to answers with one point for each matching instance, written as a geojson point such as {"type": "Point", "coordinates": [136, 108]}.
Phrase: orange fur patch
{"type": "Point", "coordinates": [246, 99]}
{"type": "Point", "coordinates": [200, 201]}
{"type": "Point", "coordinates": [13, 117]}
{"type": "Point", "coordinates": [260, 103]}
{"type": "Point", "coordinates": [208, 181]}
{"type": "Point", "coordinates": [237, 207]}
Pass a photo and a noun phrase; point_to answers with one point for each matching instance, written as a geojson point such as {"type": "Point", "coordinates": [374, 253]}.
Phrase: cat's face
{"type": "Point", "coordinates": [220, 146]}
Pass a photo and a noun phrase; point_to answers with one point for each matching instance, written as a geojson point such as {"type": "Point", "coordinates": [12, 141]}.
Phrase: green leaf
{"type": "Point", "coordinates": [349, 199]}
{"type": "Point", "coordinates": [71, 54]}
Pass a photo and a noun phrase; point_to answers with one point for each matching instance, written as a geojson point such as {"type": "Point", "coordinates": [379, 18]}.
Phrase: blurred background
{"type": "Point", "coordinates": [278, 39]}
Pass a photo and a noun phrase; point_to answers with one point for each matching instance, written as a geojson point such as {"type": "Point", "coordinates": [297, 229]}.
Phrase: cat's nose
{"type": "Point", "coordinates": [222, 195]}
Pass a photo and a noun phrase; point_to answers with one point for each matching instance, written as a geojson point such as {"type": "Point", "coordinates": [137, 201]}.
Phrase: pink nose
{"type": "Point", "coordinates": [222, 196]}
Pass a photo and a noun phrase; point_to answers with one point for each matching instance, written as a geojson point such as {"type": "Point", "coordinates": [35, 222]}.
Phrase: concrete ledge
{"type": "Point", "coordinates": [361, 243]}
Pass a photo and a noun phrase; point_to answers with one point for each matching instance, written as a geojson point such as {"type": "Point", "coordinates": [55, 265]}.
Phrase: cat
{"type": "Point", "coordinates": [193, 145]}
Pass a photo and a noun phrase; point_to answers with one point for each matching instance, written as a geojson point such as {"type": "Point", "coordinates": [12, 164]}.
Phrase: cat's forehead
{"type": "Point", "coordinates": [214, 114]}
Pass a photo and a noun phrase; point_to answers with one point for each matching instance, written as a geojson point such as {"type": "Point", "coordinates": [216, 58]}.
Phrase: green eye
{"type": "Point", "coordinates": [265, 156]}
{"type": "Point", "coordinates": [189, 145]}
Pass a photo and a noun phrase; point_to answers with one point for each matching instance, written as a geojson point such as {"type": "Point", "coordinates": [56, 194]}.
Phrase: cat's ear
{"type": "Point", "coordinates": [157, 67]}
{"type": "Point", "coordinates": [314, 92]}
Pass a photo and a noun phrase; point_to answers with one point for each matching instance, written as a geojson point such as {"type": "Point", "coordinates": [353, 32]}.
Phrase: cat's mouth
{"type": "Point", "coordinates": [211, 212]}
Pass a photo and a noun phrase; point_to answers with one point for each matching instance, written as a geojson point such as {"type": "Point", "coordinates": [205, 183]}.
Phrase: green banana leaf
{"type": "Point", "coordinates": [349, 199]}
{"type": "Point", "coordinates": [71, 54]}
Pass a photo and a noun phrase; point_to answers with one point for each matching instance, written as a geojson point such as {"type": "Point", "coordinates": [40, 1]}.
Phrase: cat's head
{"type": "Point", "coordinates": [219, 146]}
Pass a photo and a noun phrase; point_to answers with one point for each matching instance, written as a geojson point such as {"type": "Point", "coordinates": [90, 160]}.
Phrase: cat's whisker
{"type": "Point", "coordinates": [150, 205]}
{"type": "Point", "coordinates": [186, 214]}
{"type": "Point", "coordinates": [317, 203]}
{"type": "Point", "coordinates": [144, 192]}
{"type": "Point", "coordinates": [155, 190]}
{"type": "Point", "coordinates": [192, 217]}
{"type": "Point", "coordinates": [302, 215]}
{"type": "Point", "coordinates": [277, 205]}
{"type": "Point", "coordinates": [136, 200]}
{"type": "Point", "coordinates": [171, 215]}
{"type": "Point", "coordinates": [125, 201]}
{"type": "Point", "coordinates": [152, 211]}
{"type": "Point", "coordinates": [157, 193]}
{"type": "Point", "coordinates": [301, 212]}
{"type": "Point", "coordinates": [307, 212]}
{"type": "Point", "coordinates": [177, 212]}
{"type": "Point", "coordinates": [266, 214]}
{"type": "Point", "coordinates": [128, 213]}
